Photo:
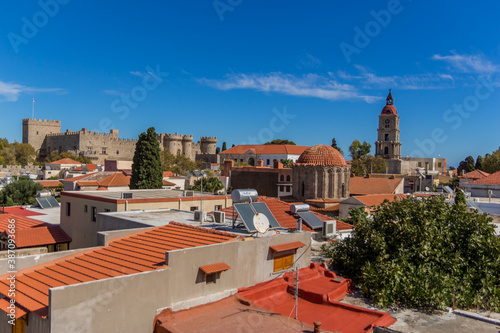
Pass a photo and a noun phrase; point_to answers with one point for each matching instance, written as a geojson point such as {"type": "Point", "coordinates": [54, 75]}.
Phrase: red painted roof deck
{"type": "Point", "coordinates": [319, 291]}
{"type": "Point", "coordinates": [230, 314]}
{"type": "Point", "coordinates": [19, 211]}
{"type": "Point", "coordinates": [138, 252]}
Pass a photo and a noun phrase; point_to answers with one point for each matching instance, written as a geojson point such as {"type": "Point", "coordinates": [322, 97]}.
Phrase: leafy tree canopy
{"type": "Point", "coordinates": [211, 184]}
{"type": "Point", "coordinates": [466, 165]}
{"type": "Point", "coordinates": [224, 146]}
{"type": "Point", "coordinates": [489, 163]}
{"type": "Point", "coordinates": [16, 153]}
{"type": "Point", "coordinates": [146, 169]}
{"type": "Point", "coordinates": [178, 164]}
{"type": "Point", "coordinates": [368, 164]}
{"type": "Point", "coordinates": [20, 192]}
{"type": "Point", "coordinates": [55, 156]}
{"type": "Point", "coordinates": [280, 142]}
{"type": "Point", "coordinates": [424, 254]}
{"type": "Point", "coordinates": [288, 163]}
{"type": "Point", "coordinates": [358, 149]}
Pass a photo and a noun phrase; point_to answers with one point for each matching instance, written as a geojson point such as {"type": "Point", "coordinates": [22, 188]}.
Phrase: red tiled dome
{"type": "Point", "coordinates": [321, 155]}
{"type": "Point", "coordinates": [391, 108]}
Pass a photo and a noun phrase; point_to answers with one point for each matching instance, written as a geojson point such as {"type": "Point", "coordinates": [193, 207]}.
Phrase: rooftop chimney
{"type": "Point", "coordinates": [260, 162]}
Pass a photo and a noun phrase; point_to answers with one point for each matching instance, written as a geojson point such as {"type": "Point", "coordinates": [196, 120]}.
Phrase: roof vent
{"type": "Point", "coordinates": [127, 195]}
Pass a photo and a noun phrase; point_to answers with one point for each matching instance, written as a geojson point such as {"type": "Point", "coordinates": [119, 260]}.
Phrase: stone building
{"type": "Point", "coordinates": [46, 136]}
{"type": "Point", "coordinates": [321, 172]}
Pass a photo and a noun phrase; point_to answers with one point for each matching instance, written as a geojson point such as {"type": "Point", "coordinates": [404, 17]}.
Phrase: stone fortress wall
{"type": "Point", "coordinates": [46, 136]}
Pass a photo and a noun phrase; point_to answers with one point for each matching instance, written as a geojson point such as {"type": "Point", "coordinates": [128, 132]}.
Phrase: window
{"type": "Point", "coordinates": [288, 178]}
{"type": "Point", "coordinates": [68, 208]}
{"type": "Point", "coordinates": [282, 188]}
{"type": "Point", "coordinates": [387, 137]}
{"type": "Point", "coordinates": [103, 150]}
{"type": "Point", "coordinates": [193, 208]}
{"type": "Point", "coordinates": [282, 178]}
{"type": "Point", "coordinates": [36, 132]}
{"type": "Point", "coordinates": [282, 262]}
{"type": "Point", "coordinates": [94, 214]}
{"type": "Point", "coordinates": [107, 210]}
{"type": "Point", "coordinates": [85, 208]}
{"type": "Point", "coordinates": [117, 152]}
{"type": "Point", "coordinates": [439, 164]}
{"type": "Point", "coordinates": [218, 207]}
{"type": "Point", "coordinates": [419, 164]}
{"type": "Point", "coordinates": [386, 150]}
{"type": "Point", "coordinates": [268, 161]}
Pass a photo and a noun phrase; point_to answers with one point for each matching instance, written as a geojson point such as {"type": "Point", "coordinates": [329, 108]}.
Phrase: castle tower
{"type": "Point", "coordinates": [388, 145]}
{"type": "Point", "coordinates": [35, 131]}
{"type": "Point", "coordinates": [174, 143]}
{"type": "Point", "coordinates": [208, 144]}
{"type": "Point", "coordinates": [187, 145]}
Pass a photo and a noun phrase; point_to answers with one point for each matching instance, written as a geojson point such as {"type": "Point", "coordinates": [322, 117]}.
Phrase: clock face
{"type": "Point", "coordinates": [387, 121]}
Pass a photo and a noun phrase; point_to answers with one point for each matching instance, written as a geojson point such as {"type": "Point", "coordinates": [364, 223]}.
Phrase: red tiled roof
{"type": "Point", "coordinates": [88, 183]}
{"type": "Point", "coordinates": [286, 219]}
{"type": "Point", "coordinates": [49, 183]}
{"type": "Point", "coordinates": [373, 185]}
{"type": "Point", "coordinates": [476, 174]}
{"type": "Point", "coordinates": [4, 304]}
{"type": "Point", "coordinates": [321, 155]}
{"type": "Point", "coordinates": [138, 252]}
{"type": "Point", "coordinates": [101, 179]}
{"type": "Point", "coordinates": [41, 236]}
{"type": "Point", "coordinates": [19, 211]}
{"type": "Point", "coordinates": [21, 222]}
{"type": "Point", "coordinates": [66, 161]}
{"type": "Point", "coordinates": [377, 199]}
{"type": "Point", "coordinates": [391, 108]}
{"type": "Point", "coordinates": [90, 167]}
{"type": "Point", "coordinates": [287, 246]}
{"type": "Point", "coordinates": [167, 183]}
{"type": "Point", "coordinates": [332, 208]}
{"type": "Point", "coordinates": [168, 174]}
{"type": "Point", "coordinates": [493, 179]}
{"type": "Point", "coordinates": [266, 149]}
{"type": "Point", "coordinates": [117, 179]}
{"type": "Point", "coordinates": [215, 268]}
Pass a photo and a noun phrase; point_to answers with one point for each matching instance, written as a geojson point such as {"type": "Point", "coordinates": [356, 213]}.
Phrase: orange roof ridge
{"type": "Point", "coordinates": [65, 161]}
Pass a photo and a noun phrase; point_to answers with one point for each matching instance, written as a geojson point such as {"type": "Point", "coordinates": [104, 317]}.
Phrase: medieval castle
{"type": "Point", "coordinates": [46, 136]}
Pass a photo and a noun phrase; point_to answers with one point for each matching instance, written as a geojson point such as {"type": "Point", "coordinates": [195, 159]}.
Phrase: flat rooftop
{"type": "Point", "coordinates": [136, 194]}
{"type": "Point", "coordinates": [160, 217]}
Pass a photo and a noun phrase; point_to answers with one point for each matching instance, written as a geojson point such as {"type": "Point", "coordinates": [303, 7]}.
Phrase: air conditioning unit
{"type": "Point", "coordinates": [189, 193]}
{"type": "Point", "coordinates": [219, 217]}
{"type": "Point", "coordinates": [329, 228]}
{"type": "Point", "coordinates": [199, 217]}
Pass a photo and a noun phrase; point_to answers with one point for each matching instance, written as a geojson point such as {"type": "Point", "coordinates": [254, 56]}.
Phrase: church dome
{"type": "Point", "coordinates": [321, 155]}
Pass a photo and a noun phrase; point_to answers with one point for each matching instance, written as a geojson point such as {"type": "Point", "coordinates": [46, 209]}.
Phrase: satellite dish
{"type": "Point", "coordinates": [427, 188]}
{"type": "Point", "coordinates": [261, 223]}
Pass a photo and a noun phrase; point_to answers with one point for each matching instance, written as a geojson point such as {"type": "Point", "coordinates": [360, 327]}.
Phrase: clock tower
{"type": "Point", "coordinates": [388, 145]}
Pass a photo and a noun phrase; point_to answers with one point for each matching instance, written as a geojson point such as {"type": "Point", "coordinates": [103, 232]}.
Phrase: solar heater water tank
{"type": "Point", "coordinates": [244, 195]}
{"type": "Point", "coordinates": [299, 208]}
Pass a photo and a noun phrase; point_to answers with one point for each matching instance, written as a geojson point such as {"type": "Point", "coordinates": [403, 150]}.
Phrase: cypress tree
{"type": "Point", "coordinates": [146, 168]}
{"type": "Point", "coordinates": [224, 146]}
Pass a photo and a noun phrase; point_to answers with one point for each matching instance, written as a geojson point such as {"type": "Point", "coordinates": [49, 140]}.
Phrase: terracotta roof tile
{"type": "Point", "coordinates": [40, 236]}
{"type": "Point", "coordinates": [168, 174]}
{"type": "Point", "coordinates": [321, 155]}
{"type": "Point", "coordinates": [266, 149]}
{"type": "Point", "coordinates": [139, 252]}
{"type": "Point", "coordinates": [378, 199]}
{"type": "Point", "coordinates": [373, 185]}
{"type": "Point", "coordinates": [21, 222]}
{"type": "Point", "coordinates": [66, 161]}
{"type": "Point", "coordinates": [215, 268]}
{"type": "Point", "coordinates": [19, 211]}
{"type": "Point", "coordinates": [49, 183]}
{"type": "Point", "coordinates": [287, 246]}
{"type": "Point", "coordinates": [117, 179]}
{"type": "Point", "coordinates": [476, 174]}
{"type": "Point", "coordinates": [493, 179]}
{"type": "Point", "coordinates": [167, 183]}
{"type": "Point", "coordinates": [90, 167]}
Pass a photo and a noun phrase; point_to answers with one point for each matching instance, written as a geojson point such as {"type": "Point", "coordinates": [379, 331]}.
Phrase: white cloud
{"type": "Point", "coordinates": [9, 92]}
{"type": "Point", "coordinates": [468, 63]}
{"type": "Point", "coordinates": [307, 85]}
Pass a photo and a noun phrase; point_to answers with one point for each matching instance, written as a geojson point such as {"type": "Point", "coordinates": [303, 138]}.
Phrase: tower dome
{"type": "Point", "coordinates": [389, 108]}
{"type": "Point", "coordinates": [321, 155]}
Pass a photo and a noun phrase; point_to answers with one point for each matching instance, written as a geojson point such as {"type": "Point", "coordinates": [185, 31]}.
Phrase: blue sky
{"type": "Point", "coordinates": [249, 71]}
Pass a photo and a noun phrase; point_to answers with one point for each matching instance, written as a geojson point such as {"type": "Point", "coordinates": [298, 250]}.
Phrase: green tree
{"type": "Point", "coordinates": [280, 142]}
{"type": "Point", "coordinates": [224, 147]}
{"type": "Point", "coordinates": [24, 153]}
{"type": "Point", "coordinates": [178, 164]}
{"type": "Point", "coordinates": [288, 163]}
{"type": "Point", "coordinates": [217, 150]}
{"type": "Point", "coordinates": [479, 163]}
{"type": "Point", "coordinates": [334, 145]}
{"type": "Point", "coordinates": [210, 184]}
{"type": "Point", "coordinates": [460, 199]}
{"type": "Point", "coordinates": [358, 149]}
{"type": "Point", "coordinates": [422, 253]}
{"type": "Point", "coordinates": [20, 192]}
{"type": "Point", "coordinates": [491, 163]}
{"type": "Point", "coordinates": [368, 164]}
{"type": "Point", "coordinates": [466, 165]}
{"type": "Point", "coordinates": [146, 168]}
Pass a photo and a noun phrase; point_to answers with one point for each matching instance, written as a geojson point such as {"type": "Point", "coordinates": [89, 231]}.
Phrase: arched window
{"type": "Point", "coordinates": [343, 190]}
{"type": "Point", "coordinates": [178, 152]}
{"type": "Point", "coordinates": [282, 178]}
{"type": "Point", "coordinates": [386, 151]}
{"type": "Point", "coordinates": [288, 178]}
{"type": "Point", "coordinates": [251, 161]}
